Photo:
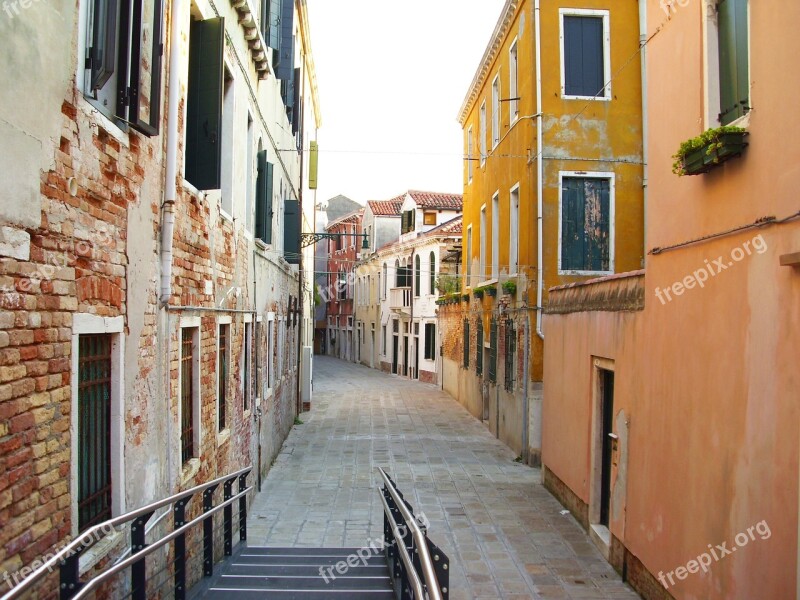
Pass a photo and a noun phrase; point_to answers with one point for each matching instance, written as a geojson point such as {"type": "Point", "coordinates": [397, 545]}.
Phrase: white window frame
{"type": "Point", "coordinates": [513, 82]}
{"type": "Point", "coordinates": [224, 434]}
{"type": "Point", "coordinates": [513, 222]}
{"type": "Point", "coordinates": [496, 95]}
{"type": "Point", "coordinates": [194, 462]}
{"type": "Point", "coordinates": [228, 140]}
{"type": "Point", "coordinates": [495, 258]}
{"type": "Point", "coordinates": [482, 243]}
{"type": "Point", "coordinates": [611, 176]}
{"type": "Point", "coordinates": [586, 12]}
{"type": "Point", "coordinates": [269, 382]}
{"type": "Point", "coordinates": [247, 342]}
{"type": "Point", "coordinates": [468, 258]}
{"type": "Point", "coordinates": [469, 154]}
{"type": "Point", "coordinates": [87, 324]}
{"type": "Point", "coordinates": [482, 132]}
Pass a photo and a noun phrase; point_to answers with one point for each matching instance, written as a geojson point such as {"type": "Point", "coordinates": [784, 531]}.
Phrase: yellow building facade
{"type": "Point", "coordinates": [553, 194]}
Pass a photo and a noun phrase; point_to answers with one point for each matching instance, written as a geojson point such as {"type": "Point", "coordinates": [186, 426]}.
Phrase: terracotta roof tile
{"type": "Point", "coordinates": [386, 208]}
{"type": "Point", "coordinates": [437, 200]}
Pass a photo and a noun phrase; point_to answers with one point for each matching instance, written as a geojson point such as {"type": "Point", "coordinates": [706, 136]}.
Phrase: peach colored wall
{"type": "Point", "coordinates": [713, 444]}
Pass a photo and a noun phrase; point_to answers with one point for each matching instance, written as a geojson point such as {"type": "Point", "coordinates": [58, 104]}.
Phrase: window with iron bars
{"type": "Point", "coordinates": [94, 430]}
{"type": "Point", "coordinates": [493, 350]}
{"type": "Point", "coordinates": [479, 353]}
{"type": "Point", "coordinates": [187, 394]}
{"type": "Point", "coordinates": [511, 348]}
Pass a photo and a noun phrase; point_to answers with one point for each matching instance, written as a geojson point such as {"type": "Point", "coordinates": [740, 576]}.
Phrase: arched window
{"type": "Point", "coordinates": [433, 273]}
{"type": "Point", "coordinates": [417, 278]}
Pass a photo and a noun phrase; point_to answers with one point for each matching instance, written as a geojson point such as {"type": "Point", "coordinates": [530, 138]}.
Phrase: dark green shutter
{"type": "Point", "coordinates": [734, 57]}
{"type": "Point", "coordinates": [479, 354]}
{"type": "Point", "coordinates": [284, 69]}
{"type": "Point", "coordinates": [204, 104]}
{"type": "Point", "coordinates": [493, 351]}
{"type": "Point", "coordinates": [264, 199]}
{"type": "Point", "coordinates": [466, 343]}
{"type": "Point", "coordinates": [571, 225]}
{"type": "Point", "coordinates": [291, 231]}
{"type": "Point", "coordinates": [294, 118]}
{"type": "Point", "coordinates": [271, 23]}
{"type": "Point", "coordinates": [585, 224]}
{"type": "Point", "coordinates": [584, 63]}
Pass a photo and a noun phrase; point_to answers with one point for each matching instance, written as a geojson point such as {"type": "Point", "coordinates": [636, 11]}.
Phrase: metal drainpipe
{"type": "Point", "coordinates": [539, 172]}
{"type": "Point", "coordinates": [645, 128]}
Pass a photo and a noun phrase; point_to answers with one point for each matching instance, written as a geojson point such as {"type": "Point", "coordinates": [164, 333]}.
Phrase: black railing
{"type": "Point", "coordinates": [418, 567]}
{"type": "Point", "coordinates": [143, 585]}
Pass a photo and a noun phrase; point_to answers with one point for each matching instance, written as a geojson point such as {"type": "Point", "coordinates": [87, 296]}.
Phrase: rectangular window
{"type": "Point", "coordinates": [187, 391]}
{"type": "Point", "coordinates": [482, 133]}
{"type": "Point", "coordinates": [409, 221]}
{"type": "Point", "coordinates": [469, 155]}
{"type": "Point", "coordinates": [383, 340]}
{"type": "Point", "coordinates": [511, 348]}
{"type": "Point", "coordinates": [223, 354]}
{"type": "Point", "coordinates": [122, 75]}
{"type": "Point", "coordinates": [249, 192]}
{"type": "Point", "coordinates": [493, 351]}
{"type": "Point", "coordinates": [585, 54]}
{"type": "Point", "coordinates": [482, 239]}
{"type": "Point", "coordinates": [586, 230]}
{"type": "Point", "coordinates": [496, 111]}
{"type": "Point", "coordinates": [468, 257]}
{"type": "Point", "coordinates": [466, 343]}
{"type": "Point", "coordinates": [226, 142]}
{"type": "Point", "coordinates": [203, 156]}
{"type": "Point", "coordinates": [479, 352]}
{"type": "Point", "coordinates": [495, 258]}
{"type": "Point", "coordinates": [247, 367]}
{"type": "Point", "coordinates": [270, 354]}
{"type": "Point", "coordinates": [430, 341]}
{"type": "Point", "coordinates": [94, 430]}
{"type": "Point", "coordinates": [429, 218]}
{"type": "Point", "coordinates": [264, 193]}
{"type": "Point", "coordinates": [513, 103]}
{"type": "Point", "coordinates": [513, 238]}
{"type": "Point", "coordinates": [734, 60]}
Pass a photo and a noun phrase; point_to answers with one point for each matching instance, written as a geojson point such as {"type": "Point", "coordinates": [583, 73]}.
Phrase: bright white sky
{"type": "Point", "coordinates": [392, 76]}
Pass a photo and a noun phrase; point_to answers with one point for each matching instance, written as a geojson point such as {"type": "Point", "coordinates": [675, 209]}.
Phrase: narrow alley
{"type": "Point", "coordinates": [504, 533]}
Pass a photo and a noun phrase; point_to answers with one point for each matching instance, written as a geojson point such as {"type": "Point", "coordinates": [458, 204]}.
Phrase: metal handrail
{"type": "Point", "coordinates": [78, 543]}
{"type": "Point", "coordinates": [415, 581]}
{"type": "Point", "coordinates": [155, 546]}
{"type": "Point", "coordinates": [434, 593]}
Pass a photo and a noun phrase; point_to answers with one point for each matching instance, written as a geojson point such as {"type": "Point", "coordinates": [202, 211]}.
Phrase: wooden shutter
{"type": "Point", "coordinates": [734, 57]}
{"type": "Point", "coordinates": [204, 104]}
{"type": "Point", "coordinates": [291, 231]}
{"type": "Point", "coordinates": [571, 225]}
{"type": "Point", "coordinates": [264, 199]}
{"type": "Point", "coordinates": [493, 351]}
{"type": "Point", "coordinates": [294, 119]}
{"type": "Point", "coordinates": [479, 354]}
{"type": "Point", "coordinates": [584, 64]}
{"type": "Point", "coordinates": [466, 343]}
{"type": "Point", "coordinates": [271, 23]}
{"type": "Point", "coordinates": [284, 69]}
{"type": "Point", "coordinates": [585, 224]}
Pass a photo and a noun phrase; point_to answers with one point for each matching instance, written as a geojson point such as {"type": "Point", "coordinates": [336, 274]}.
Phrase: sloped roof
{"type": "Point", "coordinates": [386, 208]}
{"type": "Point", "coordinates": [452, 227]}
{"type": "Point", "coordinates": [353, 217]}
{"type": "Point", "coordinates": [437, 200]}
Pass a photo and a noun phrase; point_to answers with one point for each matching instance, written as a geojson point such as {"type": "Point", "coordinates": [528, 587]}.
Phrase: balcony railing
{"type": "Point", "coordinates": [400, 298]}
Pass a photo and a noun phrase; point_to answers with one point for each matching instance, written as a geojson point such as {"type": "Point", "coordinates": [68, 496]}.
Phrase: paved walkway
{"type": "Point", "coordinates": [504, 533]}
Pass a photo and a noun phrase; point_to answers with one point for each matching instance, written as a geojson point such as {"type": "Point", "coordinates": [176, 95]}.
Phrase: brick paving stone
{"type": "Point", "coordinates": [502, 530]}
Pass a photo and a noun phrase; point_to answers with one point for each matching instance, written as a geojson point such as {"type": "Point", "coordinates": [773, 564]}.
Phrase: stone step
{"type": "Point", "coordinates": [269, 581]}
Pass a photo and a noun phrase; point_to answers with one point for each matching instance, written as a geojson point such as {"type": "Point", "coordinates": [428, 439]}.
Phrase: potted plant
{"type": "Point", "coordinates": [708, 150]}
{"type": "Point", "coordinates": [465, 297]}
{"type": "Point", "coordinates": [491, 290]}
{"type": "Point", "coordinates": [510, 287]}
{"type": "Point", "coordinates": [478, 292]}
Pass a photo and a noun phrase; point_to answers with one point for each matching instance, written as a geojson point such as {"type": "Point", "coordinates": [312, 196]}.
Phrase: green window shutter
{"type": "Point", "coordinates": [204, 104]}
{"type": "Point", "coordinates": [466, 343]}
{"type": "Point", "coordinates": [585, 224]}
{"type": "Point", "coordinates": [493, 351]}
{"type": "Point", "coordinates": [284, 69]}
{"type": "Point", "coordinates": [734, 59]}
{"type": "Point", "coordinates": [271, 23]}
{"type": "Point", "coordinates": [264, 199]}
{"type": "Point", "coordinates": [291, 232]}
{"type": "Point", "coordinates": [479, 353]}
{"type": "Point", "coordinates": [572, 238]}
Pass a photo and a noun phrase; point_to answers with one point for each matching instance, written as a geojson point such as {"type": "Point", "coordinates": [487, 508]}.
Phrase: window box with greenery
{"type": "Point", "coordinates": [478, 292]}
{"type": "Point", "coordinates": [709, 150]}
{"type": "Point", "coordinates": [465, 297]}
{"type": "Point", "coordinates": [490, 290]}
{"type": "Point", "coordinates": [510, 287]}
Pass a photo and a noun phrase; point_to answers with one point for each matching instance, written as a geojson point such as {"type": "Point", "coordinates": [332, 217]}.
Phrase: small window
{"type": "Point", "coordinates": [493, 351]}
{"type": "Point", "coordinates": [247, 376]}
{"type": "Point", "coordinates": [94, 430]}
{"type": "Point", "coordinates": [469, 155]}
{"type": "Point", "coordinates": [430, 341]}
{"type": "Point", "coordinates": [429, 218]}
{"type": "Point", "coordinates": [479, 349]}
{"type": "Point", "coordinates": [586, 234]}
{"type": "Point", "coordinates": [417, 275]}
{"type": "Point", "coordinates": [188, 392]}
{"type": "Point", "coordinates": [513, 103]}
{"type": "Point", "coordinates": [468, 257]}
{"type": "Point", "coordinates": [466, 343]}
{"type": "Point", "coordinates": [585, 47]}
{"type": "Point", "coordinates": [432, 274]}
{"type": "Point", "coordinates": [123, 61]}
{"type": "Point", "coordinates": [482, 133]}
{"type": "Point", "coordinates": [496, 111]}
{"type": "Point", "coordinates": [223, 354]}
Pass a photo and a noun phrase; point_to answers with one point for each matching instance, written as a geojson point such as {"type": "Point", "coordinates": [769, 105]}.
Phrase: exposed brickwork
{"type": "Point", "coordinates": [623, 292]}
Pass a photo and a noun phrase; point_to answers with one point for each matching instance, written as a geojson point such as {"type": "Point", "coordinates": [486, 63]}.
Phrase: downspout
{"type": "Point", "coordinates": [645, 126]}
{"type": "Point", "coordinates": [171, 177]}
{"type": "Point", "coordinates": [170, 193]}
{"type": "Point", "coordinates": [539, 172]}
